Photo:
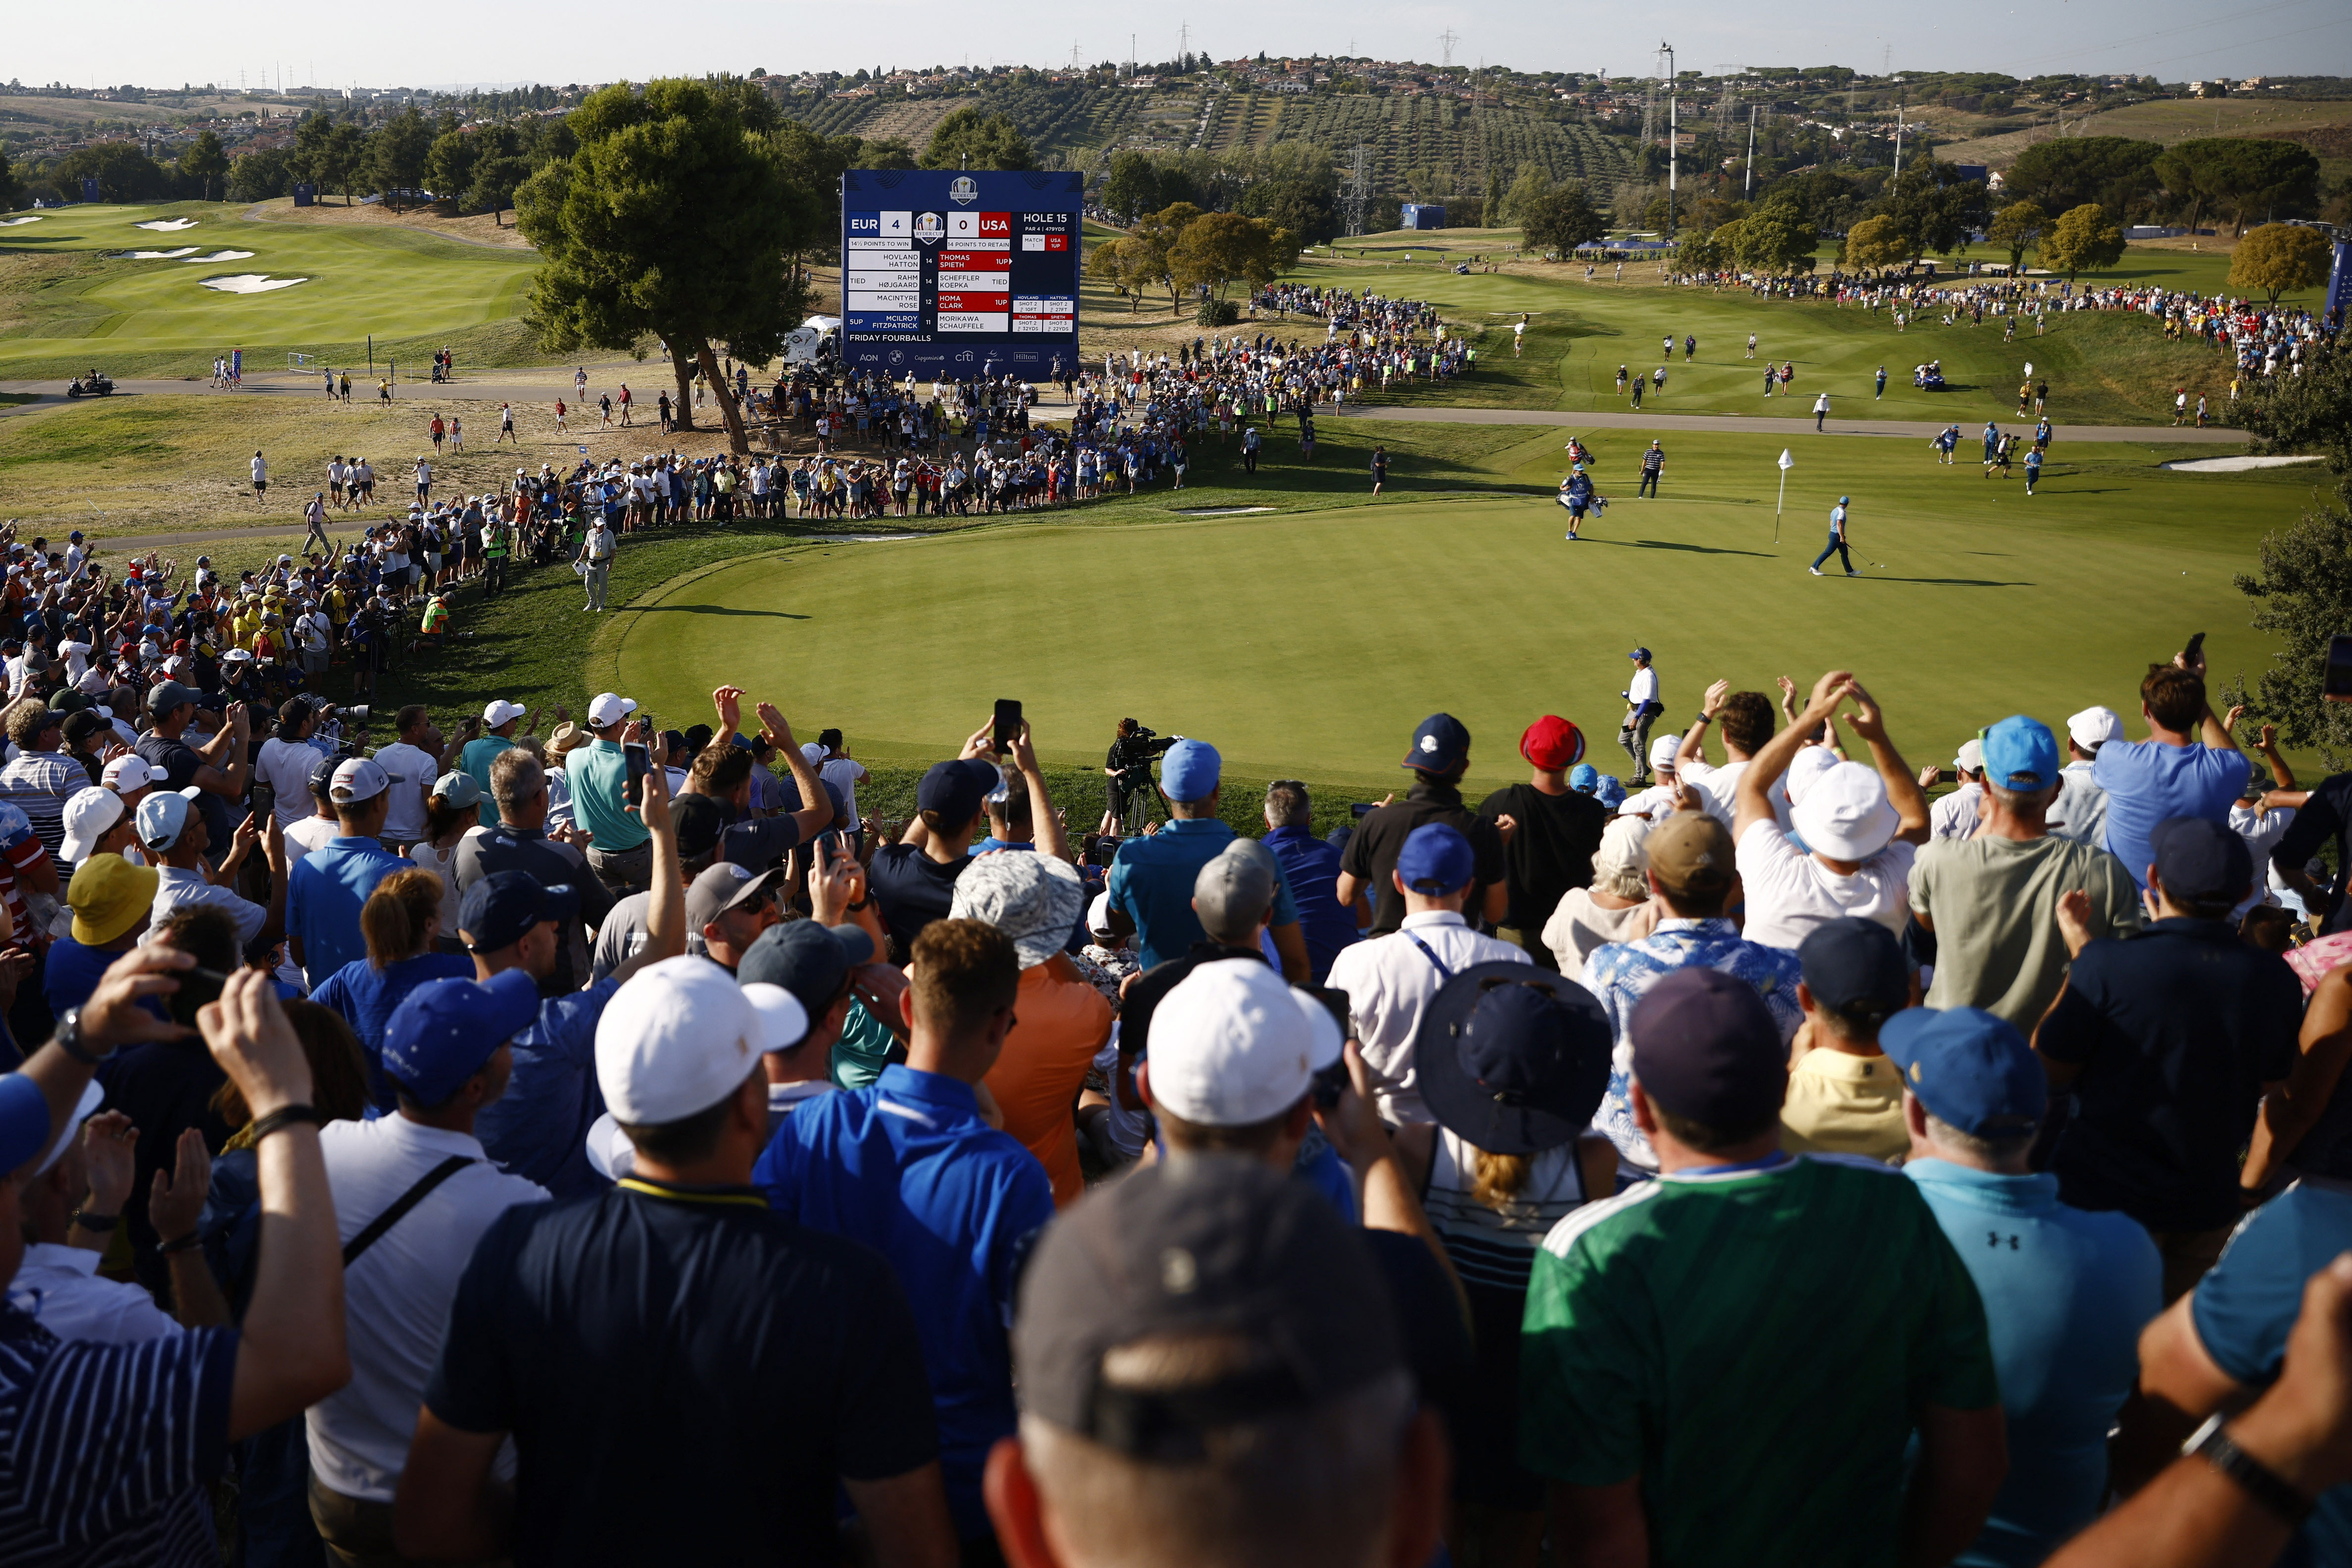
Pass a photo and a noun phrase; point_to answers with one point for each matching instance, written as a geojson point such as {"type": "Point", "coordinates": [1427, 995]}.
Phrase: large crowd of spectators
{"type": "Point", "coordinates": [611, 1145]}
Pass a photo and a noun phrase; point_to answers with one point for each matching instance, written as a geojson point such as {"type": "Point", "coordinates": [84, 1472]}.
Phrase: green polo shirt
{"type": "Point", "coordinates": [1756, 1343]}
{"type": "Point", "coordinates": [476, 759]}
{"type": "Point", "coordinates": [599, 772]}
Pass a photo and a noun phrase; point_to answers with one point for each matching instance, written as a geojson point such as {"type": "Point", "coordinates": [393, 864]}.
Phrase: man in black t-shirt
{"type": "Point", "coordinates": [914, 880]}
{"type": "Point", "coordinates": [219, 767]}
{"type": "Point", "coordinates": [688, 1376]}
{"type": "Point", "coordinates": [1550, 834]}
{"type": "Point", "coordinates": [1440, 755]}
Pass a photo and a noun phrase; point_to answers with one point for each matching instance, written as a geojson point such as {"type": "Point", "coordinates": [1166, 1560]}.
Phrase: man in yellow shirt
{"type": "Point", "coordinates": [1844, 1095]}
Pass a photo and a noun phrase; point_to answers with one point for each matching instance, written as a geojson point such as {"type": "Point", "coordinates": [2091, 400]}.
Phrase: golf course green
{"type": "Point", "coordinates": [83, 296]}
{"type": "Point", "coordinates": [1313, 636]}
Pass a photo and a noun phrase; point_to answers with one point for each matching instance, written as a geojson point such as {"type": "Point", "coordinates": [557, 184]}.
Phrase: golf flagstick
{"type": "Point", "coordinates": [1786, 464]}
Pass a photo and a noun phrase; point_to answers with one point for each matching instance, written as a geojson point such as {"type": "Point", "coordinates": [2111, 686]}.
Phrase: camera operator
{"type": "Point", "coordinates": [1129, 769]}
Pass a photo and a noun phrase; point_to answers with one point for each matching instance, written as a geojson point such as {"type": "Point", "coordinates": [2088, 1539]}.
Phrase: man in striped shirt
{"type": "Point", "coordinates": [104, 1450]}
{"type": "Point", "coordinates": [42, 777]}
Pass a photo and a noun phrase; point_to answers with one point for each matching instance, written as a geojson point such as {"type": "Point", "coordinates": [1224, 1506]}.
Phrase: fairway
{"type": "Point", "coordinates": [75, 300]}
{"type": "Point", "coordinates": [1316, 636]}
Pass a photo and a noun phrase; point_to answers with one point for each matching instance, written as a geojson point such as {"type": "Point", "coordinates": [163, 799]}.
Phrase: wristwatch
{"type": "Point", "coordinates": [2212, 1443]}
{"type": "Point", "coordinates": [68, 1038]}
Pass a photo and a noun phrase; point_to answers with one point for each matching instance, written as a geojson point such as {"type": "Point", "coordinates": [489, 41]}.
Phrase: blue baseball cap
{"type": "Point", "coordinates": [1584, 778]}
{"type": "Point", "coordinates": [1639, 653]}
{"type": "Point", "coordinates": [2200, 861]}
{"type": "Point", "coordinates": [955, 790]}
{"type": "Point", "coordinates": [2019, 753]}
{"type": "Point", "coordinates": [1440, 745]}
{"type": "Point", "coordinates": [1190, 770]}
{"type": "Point", "coordinates": [24, 1121]}
{"type": "Point", "coordinates": [1436, 858]}
{"type": "Point", "coordinates": [500, 910]}
{"type": "Point", "coordinates": [1971, 1069]}
{"type": "Point", "coordinates": [444, 1031]}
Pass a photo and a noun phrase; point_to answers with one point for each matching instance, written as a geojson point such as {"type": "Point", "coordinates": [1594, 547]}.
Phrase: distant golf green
{"type": "Point", "coordinates": [84, 296]}
{"type": "Point", "coordinates": [1315, 636]}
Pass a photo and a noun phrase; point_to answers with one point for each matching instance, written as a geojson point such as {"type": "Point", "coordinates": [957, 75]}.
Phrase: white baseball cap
{"type": "Point", "coordinates": [358, 779]}
{"type": "Point", "coordinates": [609, 1149]}
{"type": "Point", "coordinates": [89, 814]}
{"type": "Point", "coordinates": [163, 816]}
{"type": "Point", "coordinates": [1235, 1045]}
{"type": "Point", "coordinates": [1971, 757]}
{"type": "Point", "coordinates": [677, 1040]}
{"type": "Point", "coordinates": [501, 711]}
{"type": "Point", "coordinates": [608, 708]}
{"type": "Point", "coordinates": [93, 1095]}
{"type": "Point", "coordinates": [1810, 763]}
{"type": "Point", "coordinates": [784, 1021]}
{"type": "Point", "coordinates": [1663, 751]}
{"type": "Point", "coordinates": [813, 752]}
{"type": "Point", "coordinates": [2095, 726]}
{"type": "Point", "coordinates": [1845, 813]}
{"type": "Point", "coordinates": [1099, 916]}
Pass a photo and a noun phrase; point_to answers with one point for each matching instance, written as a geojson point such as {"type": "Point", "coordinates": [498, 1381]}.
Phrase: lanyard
{"type": "Point", "coordinates": [1436, 962]}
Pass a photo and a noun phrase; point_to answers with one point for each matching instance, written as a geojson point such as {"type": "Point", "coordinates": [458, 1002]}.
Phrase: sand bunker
{"type": "Point", "coordinates": [158, 255]}
{"type": "Point", "coordinates": [218, 255]}
{"type": "Point", "coordinates": [12, 222]}
{"type": "Point", "coordinates": [251, 283]}
{"type": "Point", "coordinates": [2232, 465]}
{"type": "Point", "coordinates": [167, 225]}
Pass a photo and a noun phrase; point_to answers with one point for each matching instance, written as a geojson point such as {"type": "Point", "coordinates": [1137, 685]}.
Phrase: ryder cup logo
{"type": "Point", "coordinates": [963, 188]}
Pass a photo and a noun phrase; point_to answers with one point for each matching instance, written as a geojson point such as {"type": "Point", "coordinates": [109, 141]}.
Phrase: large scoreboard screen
{"type": "Point", "coordinates": [961, 273]}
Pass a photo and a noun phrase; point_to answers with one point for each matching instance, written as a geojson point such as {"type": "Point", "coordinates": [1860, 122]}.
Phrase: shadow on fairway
{"type": "Point", "coordinates": [718, 610]}
{"type": "Point", "coordinates": [1693, 548]}
{"type": "Point", "coordinates": [1949, 581]}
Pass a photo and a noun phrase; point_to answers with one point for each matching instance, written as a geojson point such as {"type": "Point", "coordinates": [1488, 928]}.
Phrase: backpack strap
{"type": "Point", "coordinates": [402, 1205]}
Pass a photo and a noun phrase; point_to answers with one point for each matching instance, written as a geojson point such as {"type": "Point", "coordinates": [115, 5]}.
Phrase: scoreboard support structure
{"type": "Point", "coordinates": [961, 273]}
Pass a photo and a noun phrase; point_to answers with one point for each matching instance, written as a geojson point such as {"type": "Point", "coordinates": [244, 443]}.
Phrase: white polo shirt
{"type": "Point", "coordinates": [176, 889]}
{"type": "Point", "coordinates": [396, 1296]}
{"type": "Point", "coordinates": [1955, 816]}
{"type": "Point", "coordinates": [1644, 686]}
{"type": "Point", "coordinates": [1789, 892]}
{"type": "Point", "coordinates": [1389, 981]}
{"type": "Point", "coordinates": [59, 1288]}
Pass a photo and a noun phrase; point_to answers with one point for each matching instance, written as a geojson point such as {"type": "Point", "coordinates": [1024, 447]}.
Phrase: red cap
{"type": "Point", "coordinates": [1552, 743]}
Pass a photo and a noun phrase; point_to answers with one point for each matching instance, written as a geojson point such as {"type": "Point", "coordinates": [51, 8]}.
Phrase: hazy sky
{"type": "Point", "coordinates": [152, 42]}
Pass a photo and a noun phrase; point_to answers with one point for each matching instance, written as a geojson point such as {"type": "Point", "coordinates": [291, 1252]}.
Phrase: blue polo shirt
{"type": "Point", "coordinates": [2148, 783]}
{"type": "Point", "coordinates": [324, 895]}
{"type": "Point", "coordinates": [908, 1167]}
{"type": "Point", "coordinates": [1311, 870]}
{"type": "Point", "coordinates": [539, 1127]}
{"type": "Point", "coordinates": [2244, 1308]}
{"type": "Point", "coordinates": [1151, 883]}
{"type": "Point", "coordinates": [2066, 1293]}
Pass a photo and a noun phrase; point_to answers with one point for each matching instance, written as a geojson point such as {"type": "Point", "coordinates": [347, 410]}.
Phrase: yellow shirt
{"type": "Point", "coordinates": [1841, 1104]}
{"type": "Point", "coordinates": [245, 625]}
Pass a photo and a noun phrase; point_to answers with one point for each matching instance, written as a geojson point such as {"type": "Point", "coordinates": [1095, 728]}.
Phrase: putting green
{"type": "Point", "coordinates": [359, 279]}
{"type": "Point", "coordinates": [1314, 637]}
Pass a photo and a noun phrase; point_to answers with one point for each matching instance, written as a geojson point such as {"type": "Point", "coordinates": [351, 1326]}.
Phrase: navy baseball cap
{"type": "Point", "coordinates": [444, 1031]}
{"type": "Point", "coordinates": [1191, 771]}
{"type": "Point", "coordinates": [2201, 861]}
{"type": "Point", "coordinates": [1705, 1048]}
{"type": "Point", "coordinates": [811, 961]}
{"type": "Point", "coordinates": [1851, 962]}
{"type": "Point", "coordinates": [954, 790]}
{"type": "Point", "coordinates": [500, 908]}
{"type": "Point", "coordinates": [1639, 653]}
{"type": "Point", "coordinates": [1971, 1069]}
{"type": "Point", "coordinates": [1440, 745]}
{"type": "Point", "coordinates": [2019, 753]}
{"type": "Point", "coordinates": [1436, 858]}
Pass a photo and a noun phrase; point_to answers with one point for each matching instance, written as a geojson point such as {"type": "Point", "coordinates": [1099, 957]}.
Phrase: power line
{"type": "Point", "coordinates": [1448, 38]}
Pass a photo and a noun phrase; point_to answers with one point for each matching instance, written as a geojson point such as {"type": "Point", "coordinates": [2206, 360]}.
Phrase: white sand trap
{"type": "Point", "coordinates": [12, 222]}
{"type": "Point", "coordinates": [158, 255]}
{"type": "Point", "coordinates": [2232, 465]}
{"type": "Point", "coordinates": [251, 283]}
{"type": "Point", "coordinates": [167, 225]}
{"type": "Point", "coordinates": [220, 256]}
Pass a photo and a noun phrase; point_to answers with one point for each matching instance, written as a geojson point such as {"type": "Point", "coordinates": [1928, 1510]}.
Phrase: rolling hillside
{"type": "Point", "coordinates": [2174, 120]}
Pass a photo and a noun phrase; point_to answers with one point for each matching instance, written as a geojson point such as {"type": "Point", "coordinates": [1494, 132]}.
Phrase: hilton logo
{"type": "Point", "coordinates": [963, 188]}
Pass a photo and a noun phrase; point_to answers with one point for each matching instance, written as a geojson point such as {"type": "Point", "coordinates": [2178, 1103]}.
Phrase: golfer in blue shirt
{"type": "Point", "coordinates": [1837, 540]}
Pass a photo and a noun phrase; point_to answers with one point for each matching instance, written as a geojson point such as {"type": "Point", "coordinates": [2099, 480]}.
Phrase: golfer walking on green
{"type": "Point", "coordinates": [1837, 540]}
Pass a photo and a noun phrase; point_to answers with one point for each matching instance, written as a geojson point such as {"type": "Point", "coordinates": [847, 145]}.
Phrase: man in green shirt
{"type": "Point", "coordinates": [499, 721]}
{"type": "Point", "coordinates": [619, 850]}
{"type": "Point", "coordinates": [1724, 1365]}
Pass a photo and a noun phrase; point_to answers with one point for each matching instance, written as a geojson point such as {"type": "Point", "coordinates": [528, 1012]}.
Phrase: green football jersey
{"type": "Point", "coordinates": [1756, 1343]}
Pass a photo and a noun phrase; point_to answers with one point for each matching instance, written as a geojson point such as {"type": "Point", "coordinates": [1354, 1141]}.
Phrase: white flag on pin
{"type": "Point", "coordinates": [1787, 461]}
